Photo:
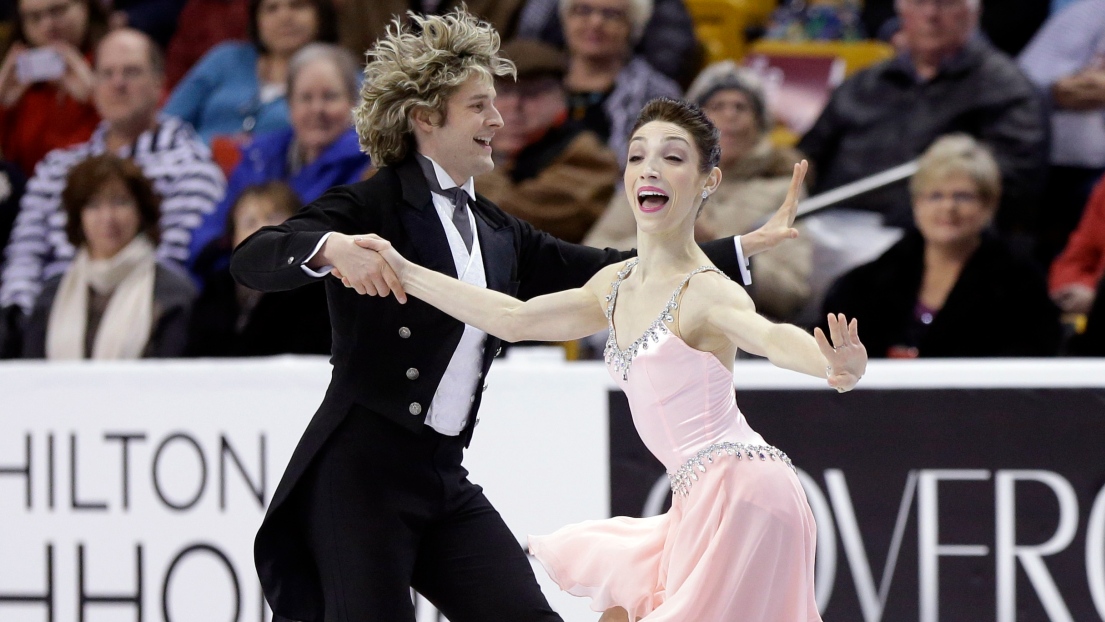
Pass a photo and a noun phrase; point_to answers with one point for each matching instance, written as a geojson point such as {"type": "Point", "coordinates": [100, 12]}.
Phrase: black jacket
{"type": "Point", "coordinates": [291, 322]}
{"type": "Point", "coordinates": [376, 340]}
{"type": "Point", "coordinates": [883, 116]}
{"type": "Point", "coordinates": [998, 307]}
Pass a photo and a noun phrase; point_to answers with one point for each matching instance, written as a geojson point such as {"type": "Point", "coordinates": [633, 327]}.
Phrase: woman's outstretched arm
{"type": "Point", "coordinates": [727, 307]}
{"type": "Point", "coordinates": [570, 314]}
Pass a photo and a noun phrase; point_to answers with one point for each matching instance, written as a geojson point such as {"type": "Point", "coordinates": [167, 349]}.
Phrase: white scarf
{"type": "Point", "coordinates": [128, 278]}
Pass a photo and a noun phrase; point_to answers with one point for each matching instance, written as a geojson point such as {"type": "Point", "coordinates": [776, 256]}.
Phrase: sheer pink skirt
{"type": "Point", "coordinates": [740, 546]}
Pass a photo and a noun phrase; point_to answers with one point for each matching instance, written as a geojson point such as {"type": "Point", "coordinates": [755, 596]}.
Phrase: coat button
{"type": "Point", "coordinates": [291, 260]}
{"type": "Point", "coordinates": [404, 332]}
{"type": "Point", "coordinates": [484, 387]}
{"type": "Point", "coordinates": [415, 408]}
{"type": "Point", "coordinates": [476, 423]}
{"type": "Point", "coordinates": [499, 351]}
{"type": "Point", "coordinates": [412, 374]}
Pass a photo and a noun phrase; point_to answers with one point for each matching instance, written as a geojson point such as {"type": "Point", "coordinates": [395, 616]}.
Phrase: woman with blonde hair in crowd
{"type": "Point", "coordinates": [756, 175]}
{"type": "Point", "coordinates": [115, 301]}
{"type": "Point", "coordinates": [951, 287]}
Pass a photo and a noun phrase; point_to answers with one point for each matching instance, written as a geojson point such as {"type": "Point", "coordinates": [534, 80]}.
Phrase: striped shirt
{"type": "Point", "coordinates": [174, 158]}
{"type": "Point", "coordinates": [1071, 41]}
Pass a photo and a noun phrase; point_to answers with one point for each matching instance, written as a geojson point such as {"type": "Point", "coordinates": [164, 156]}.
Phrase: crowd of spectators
{"type": "Point", "coordinates": [141, 140]}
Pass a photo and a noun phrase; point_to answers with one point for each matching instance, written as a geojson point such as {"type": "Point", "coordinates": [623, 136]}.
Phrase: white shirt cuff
{"type": "Point", "coordinates": [742, 261]}
{"type": "Point", "coordinates": [323, 271]}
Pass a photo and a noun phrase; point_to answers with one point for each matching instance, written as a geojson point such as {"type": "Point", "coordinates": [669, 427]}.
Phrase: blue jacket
{"type": "Point", "coordinates": [221, 95]}
{"type": "Point", "coordinates": [266, 159]}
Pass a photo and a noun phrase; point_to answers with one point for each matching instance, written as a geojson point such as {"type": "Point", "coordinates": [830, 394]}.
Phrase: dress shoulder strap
{"type": "Point", "coordinates": [612, 297]}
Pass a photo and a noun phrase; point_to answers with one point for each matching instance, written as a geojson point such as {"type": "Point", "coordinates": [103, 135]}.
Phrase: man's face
{"type": "Point", "coordinates": [937, 26]}
{"type": "Point", "coordinates": [461, 144]}
{"type": "Point", "coordinates": [530, 107]}
{"type": "Point", "coordinates": [126, 86]}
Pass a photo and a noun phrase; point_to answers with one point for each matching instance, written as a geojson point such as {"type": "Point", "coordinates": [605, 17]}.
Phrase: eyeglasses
{"type": "Point", "coordinates": [56, 11]}
{"type": "Point", "coordinates": [958, 198]}
{"type": "Point", "coordinates": [608, 14]}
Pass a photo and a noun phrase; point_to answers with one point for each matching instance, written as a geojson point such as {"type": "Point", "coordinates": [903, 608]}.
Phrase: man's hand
{"type": "Point", "coordinates": [780, 226]}
{"type": "Point", "coordinates": [361, 269]}
{"type": "Point", "coordinates": [1082, 91]}
{"type": "Point", "coordinates": [1074, 298]}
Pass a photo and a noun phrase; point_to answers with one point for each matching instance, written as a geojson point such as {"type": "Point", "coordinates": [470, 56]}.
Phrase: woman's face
{"type": "Point", "coordinates": [662, 178]}
{"type": "Point", "coordinates": [950, 212]}
{"type": "Point", "coordinates": [320, 105]}
{"type": "Point", "coordinates": [54, 21]}
{"type": "Point", "coordinates": [598, 29]}
{"type": "Point", "coordinates": [735, 117]}
{"type": "Point", "coordinates": [252, 213]}
{"type": "Point", "coordinates": [110, 220]}
{"type": "Point", "coordinates": [284, 26]}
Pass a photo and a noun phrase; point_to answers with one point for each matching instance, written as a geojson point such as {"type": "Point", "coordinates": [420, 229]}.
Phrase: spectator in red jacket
{"type": "Point", "coordinates": [1076, 272]}
{"type": "Point", "coordinates": [39, 114]}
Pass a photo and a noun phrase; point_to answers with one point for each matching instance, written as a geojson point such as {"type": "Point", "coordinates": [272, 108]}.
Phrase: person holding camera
{"type": "Point", "coordinates": [46, 79]}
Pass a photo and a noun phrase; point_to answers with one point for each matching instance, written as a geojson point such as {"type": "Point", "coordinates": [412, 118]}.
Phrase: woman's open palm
{"type": "Point", "coordinates": [846, 354]}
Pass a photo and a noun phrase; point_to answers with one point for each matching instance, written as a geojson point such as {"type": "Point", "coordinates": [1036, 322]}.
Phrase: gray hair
{"type": "Point", "coordinates": [725, 75]}
{"type": "Point", "coordinates": [640, 11]}
{"type": "Point", "coordinates": [339, 57]}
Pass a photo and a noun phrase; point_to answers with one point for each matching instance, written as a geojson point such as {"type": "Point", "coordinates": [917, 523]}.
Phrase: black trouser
{"type": "Point", "coordinates": [388, 509]}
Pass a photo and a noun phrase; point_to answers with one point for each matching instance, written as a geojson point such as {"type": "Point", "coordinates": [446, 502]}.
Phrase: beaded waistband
{"type": "Point", "coordinates": [682, 479]}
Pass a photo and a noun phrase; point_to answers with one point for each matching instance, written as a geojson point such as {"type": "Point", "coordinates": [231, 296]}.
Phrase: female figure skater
{"type": "Point", "coordinates": [739, 540]}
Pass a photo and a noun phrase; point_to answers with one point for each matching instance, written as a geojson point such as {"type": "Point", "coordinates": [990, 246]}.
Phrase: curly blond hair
{"type": "Point", "coordinates": [419, 65]}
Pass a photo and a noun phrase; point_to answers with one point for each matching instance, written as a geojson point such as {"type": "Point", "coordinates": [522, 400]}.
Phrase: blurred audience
{"type": "Point", "coordinates": [946, 79]}
{"type": "Point", "coordinates": [1076, 272]}
{"type": "Point", "coordinates": [46, 79]}
{"type": "Point", "coordinates": [232, 320]}
{"type": "Point", "coordinates": [607, 84]}
{"type": "Point", "coordinates": [552, 173]}
{"type": "Point", "coordinates": [364, 21]}
{"type": "Point", "coordinates": [209, 23]}
{"type": "Point", "coordinates": [320, 149]}
{"type": "Point", "coordinates": [1008, 24]}
{"type": "Point", "coordinates": [12, 184]}
{"type": "Point", "coordinates": [668, 42]}
{"type": "Point", "coordinates": [755, 178]}
{"type": "Point", "coordinates": [114, 301]}
{"type": "Point", "coordinates": [951, 287]}
{"type": "Point", "coordinates": [156, 18]}
{"type": "Point", "coordinates": [239, 88]}
{"type": "Point", "coordinates": [129, 75]}
{"type": "Point", "coordinates": [1066, 61]}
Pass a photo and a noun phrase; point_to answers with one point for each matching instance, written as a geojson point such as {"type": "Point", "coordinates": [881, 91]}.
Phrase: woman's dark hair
{"type": "Point", "coordinates": [88, 177]}
{"type": "Point", "coordinates": [690, 117]}
{"type": "Point", "coordinates": [324, 13]}
{"type": "Point", "coordinates": [282, 197]}
{"type": "Point", "coordinates": [97, 26]}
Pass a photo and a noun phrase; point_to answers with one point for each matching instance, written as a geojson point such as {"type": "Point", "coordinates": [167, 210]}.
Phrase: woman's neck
{"type": "Point", "coordinates": [272, 68]}
{"type": "Point", "coordinates": [668, 252]}
{"type": "Point", "coordinates": [592, 74]}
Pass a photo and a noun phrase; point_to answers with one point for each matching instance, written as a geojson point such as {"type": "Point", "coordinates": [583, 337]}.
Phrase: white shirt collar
{"type": "Point", "coordinates": [446, 182]}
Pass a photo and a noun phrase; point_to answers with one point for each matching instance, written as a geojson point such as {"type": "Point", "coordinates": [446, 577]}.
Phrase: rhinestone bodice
{"type": "Point", "coordinates": [682, 399]}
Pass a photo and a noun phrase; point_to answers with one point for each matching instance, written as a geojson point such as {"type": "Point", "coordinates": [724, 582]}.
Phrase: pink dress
{"type": "Point", "coordinates": [738, 542]}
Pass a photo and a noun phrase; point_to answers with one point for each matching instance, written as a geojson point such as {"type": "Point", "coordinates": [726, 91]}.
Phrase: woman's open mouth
{"type": "Point", "coordinates": [651, 199]}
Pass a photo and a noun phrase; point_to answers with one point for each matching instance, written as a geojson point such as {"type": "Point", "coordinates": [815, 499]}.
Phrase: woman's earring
{"type": "Point", "coordinates": [705, 194]}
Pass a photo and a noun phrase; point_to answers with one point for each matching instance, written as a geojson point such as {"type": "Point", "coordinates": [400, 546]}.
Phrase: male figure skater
{"type": "Point", "coordinates": [375, 500]}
